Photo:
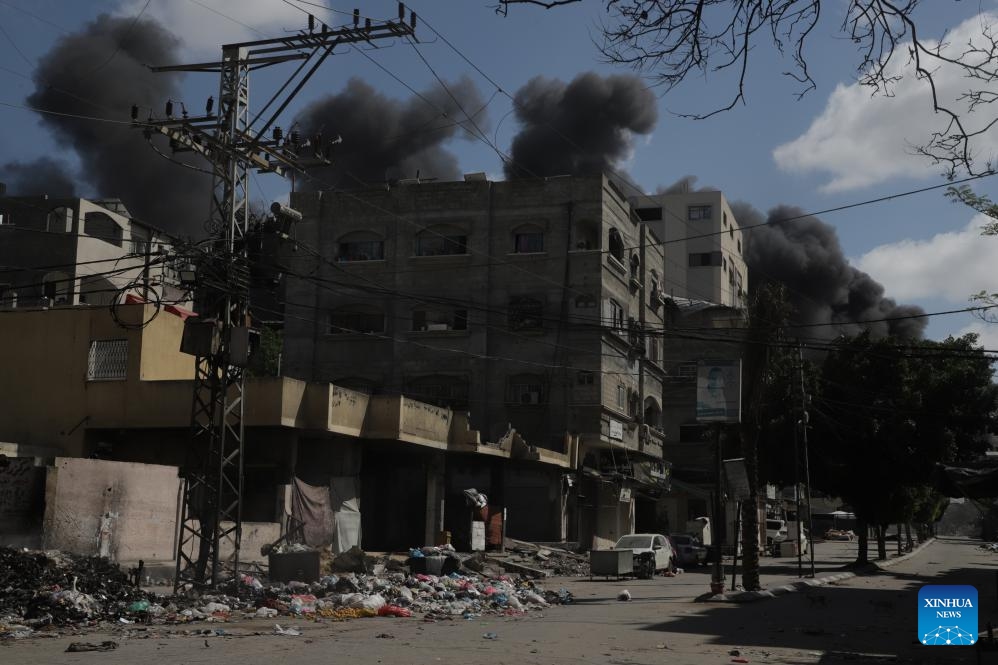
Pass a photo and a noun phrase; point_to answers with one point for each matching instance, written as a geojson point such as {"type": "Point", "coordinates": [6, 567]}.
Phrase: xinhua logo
{"type": "Point", "coordinates": [947, 615]}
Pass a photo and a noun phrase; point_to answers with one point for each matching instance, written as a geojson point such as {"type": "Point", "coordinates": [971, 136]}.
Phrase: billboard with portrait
{"type": "Point", "coordinates": [719, 391]}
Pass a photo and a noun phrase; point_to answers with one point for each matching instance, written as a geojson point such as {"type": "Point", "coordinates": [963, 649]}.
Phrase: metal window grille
{"type": "Point", "coordinates": [108, 360]}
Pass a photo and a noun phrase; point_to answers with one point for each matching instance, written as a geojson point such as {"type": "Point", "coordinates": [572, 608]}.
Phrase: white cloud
{"type": "Point", "coordinates": [861, 139]}
{"type": "Point", "coordinates": [952, 266]}
{"type": "Point", "coordinates": [987, 333]}
{"type": "Point", "coordinates": [205, 25]}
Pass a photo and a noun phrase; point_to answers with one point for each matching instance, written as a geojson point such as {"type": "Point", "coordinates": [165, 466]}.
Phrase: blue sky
{"type": "Point", "coordinates": [836, 146]}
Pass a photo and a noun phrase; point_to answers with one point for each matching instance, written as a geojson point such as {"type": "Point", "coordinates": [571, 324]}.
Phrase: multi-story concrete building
{"type": "Point", "coordinates": [704, 257]}
{"type": "Point", "coordinates": [72, 251]}
{"type": "Point", "coordinates": [523, 302]}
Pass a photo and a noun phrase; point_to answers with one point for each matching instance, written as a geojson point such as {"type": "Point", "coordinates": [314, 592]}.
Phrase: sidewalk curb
{"type": "Point", "coordinates": [773, 592]}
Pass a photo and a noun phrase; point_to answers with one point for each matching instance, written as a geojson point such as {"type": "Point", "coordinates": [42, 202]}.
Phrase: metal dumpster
{"type": "Point", "coordinates": [611, 562]}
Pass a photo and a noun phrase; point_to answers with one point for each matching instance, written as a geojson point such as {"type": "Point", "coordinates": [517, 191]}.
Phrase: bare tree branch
{"type": "Point", "coordinates": [673, 40]}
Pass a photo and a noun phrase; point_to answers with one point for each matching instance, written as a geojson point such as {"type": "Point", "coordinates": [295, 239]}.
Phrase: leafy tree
{"type": "Point", "coordinates": [888, 412]}
{"type": "Point", "coordinates": [266, 358]}
{"type": "Point", "coordinates": [674, 40]}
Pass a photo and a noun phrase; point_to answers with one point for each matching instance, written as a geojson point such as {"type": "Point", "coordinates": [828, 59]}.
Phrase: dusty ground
{"type": "Point", "coordinates": [870, 618]}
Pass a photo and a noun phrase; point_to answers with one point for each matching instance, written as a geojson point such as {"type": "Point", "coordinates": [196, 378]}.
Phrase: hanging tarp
{"type": "Point", "coordinates": [311, 507]}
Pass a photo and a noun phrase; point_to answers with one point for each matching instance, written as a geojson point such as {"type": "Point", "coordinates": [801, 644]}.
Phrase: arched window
{"type": "Point", "coordinates": [441, 240]}
{"type": "Point", "coordinates": [616, 246]}
{"type": "Point", "coordinates": [360, 246]}
{"type": "Point", "coordinates": [528, 239]}
{"type": "Point", "coordinates": [526, 389]}
{"type": "Point", "coordinates": [652, 413]}
{"type": "Point", "coordinates": [101, 226]}
{"type": "Point", "coordinates": [525, 314]}
{"type": "Point", "coordinates": [60, 220]}
{"type": "Point", "coordinates": [356, 319]}
{"type": "Point", "coordinates": [635, 266]}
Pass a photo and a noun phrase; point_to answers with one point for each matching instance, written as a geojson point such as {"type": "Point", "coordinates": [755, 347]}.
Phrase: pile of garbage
{"type": "Point", "coordinates": [41, 591]}
{"type": "Point", "coordinates": [53, 588]}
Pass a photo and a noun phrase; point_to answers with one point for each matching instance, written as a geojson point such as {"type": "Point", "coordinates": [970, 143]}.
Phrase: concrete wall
{"type": "Point", "coordinates": [118, 509]}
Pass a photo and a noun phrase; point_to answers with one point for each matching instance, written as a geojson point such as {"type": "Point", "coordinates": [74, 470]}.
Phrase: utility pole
{"type": "Point", "coordinates": [233, 144]}
{"type": "Point", "coordinates": [805, 418]}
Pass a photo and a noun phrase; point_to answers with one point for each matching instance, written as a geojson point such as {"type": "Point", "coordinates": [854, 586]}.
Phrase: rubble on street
{"type": "Point", "coordinates": [42, 593]}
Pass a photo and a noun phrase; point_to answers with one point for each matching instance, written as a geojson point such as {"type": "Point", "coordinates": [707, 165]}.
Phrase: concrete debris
{"type": "Point", "coordinates": [550, 559]}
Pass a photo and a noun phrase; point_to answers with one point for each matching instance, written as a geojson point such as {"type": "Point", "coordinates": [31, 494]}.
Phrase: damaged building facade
{"type": "Point", "coordinates": [522, 303]}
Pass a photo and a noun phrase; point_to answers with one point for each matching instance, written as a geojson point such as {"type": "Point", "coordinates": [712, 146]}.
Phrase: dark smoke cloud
{"type": "Point", "coordinates": [387, 139]}
{"type": "Point", "coordinates": [101, 71]}
{"type": "Point", "coordinates": [805, 255]}
{"type": "Point", "coordinates": [581, 128]}
{"type": "Point", "coordinates": [41, 176]}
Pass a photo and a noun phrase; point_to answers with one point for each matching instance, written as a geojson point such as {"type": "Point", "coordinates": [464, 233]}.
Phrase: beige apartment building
{"type": "Point", "coordinates": [704, 256]}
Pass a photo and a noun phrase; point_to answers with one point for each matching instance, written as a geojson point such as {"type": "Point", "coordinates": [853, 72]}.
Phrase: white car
{"type": "Point", "coordinates": [653, 552]}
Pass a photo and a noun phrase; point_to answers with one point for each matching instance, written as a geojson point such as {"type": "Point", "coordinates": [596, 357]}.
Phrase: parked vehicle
{"type": "Point", "coordinates": [652, 553]}
{"type": "Point", "coordinates": [689, 551]}
{"type": "Point", "coordinates": [776, 530]}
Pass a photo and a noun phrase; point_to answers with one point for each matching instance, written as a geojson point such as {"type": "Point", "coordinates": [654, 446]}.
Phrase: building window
{"type": "Point", "coordinates": [586, 235]}
{"type": "Point", "coordinates": [635, 267]}
{"type": "Point", "coordinates": [725, 218]}
{"type": "Point", "coordinates": [648, 214]}
{"type": "Point", "coordinates": [361, 246]}
{"type": "Point", "coordinates": [356, 319]}
{"type": "Point", "coordinates": [615, 315]}
{"type": "Point", "coordinates": [528, 240]}
{"type": "Point", "coordinates": [585, 378]}
{"type": "Point", "coordinates": [739, 246]}
{"type": "Point", "coordinates": [621, 396]}
{"type": "Point", "coordinates": [60, 220]}
{"type": "Point", "coordinates": [525, 314]}
{"type": "Point", "coordinates": [702, 259]}
{"type": "Point", "coordinates": [108, 360]}
{"type": "Point", "coordinates": [654, 348]}
{"type": "Point", "coordinates": [526, 389]}
{"type": "Point", "coordinates": [616, 246]}
{"type": "Point", "coordinates": [57, 287]}
{"type": "Point", "coordinates": [695, 213]}
{"type": "Point", "coordinates": [99, 225]}
{"type": "Point", "coordinates": [692, 433]}
{"type": "Point", "coordinates": [5, 219]}
{"type": "Point", "coordinates": [441, 241]}
{"type": "Point", "coordinates": [585, 301]}
{"type": "Point", "coordinates": [426, 320]}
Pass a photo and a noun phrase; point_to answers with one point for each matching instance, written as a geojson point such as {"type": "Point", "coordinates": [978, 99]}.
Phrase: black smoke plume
{"type": "Point", "coordinates": [581, 128]}
{"type": "Point", "coordinates": [100, 72]}
{"type": "Point", "coordinates": [804, 253]}
{"type": "Point", "coordinates": [386, 139]}
{"type": "Point", "coordinates": [35, 178]}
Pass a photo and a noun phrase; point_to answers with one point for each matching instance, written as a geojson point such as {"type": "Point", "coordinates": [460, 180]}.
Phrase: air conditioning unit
{"type": "Point", "coordinates": [532, 397]}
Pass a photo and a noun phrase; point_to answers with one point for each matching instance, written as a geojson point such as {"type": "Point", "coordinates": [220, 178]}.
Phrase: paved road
{"type": "Point", "coordinates": [854, 620]}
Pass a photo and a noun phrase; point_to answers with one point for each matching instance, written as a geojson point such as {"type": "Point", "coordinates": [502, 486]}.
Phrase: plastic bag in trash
{"type": "Point", "coordinates": [393, 611]}
{"type": "Point", "coordinates": [303, 604]}
{"type": "Point", "coordinates": [290, 630]}
{"type": "Point", "coordinates": [374, 602]}
{"type": "Point", "coordinates": [266, 613]}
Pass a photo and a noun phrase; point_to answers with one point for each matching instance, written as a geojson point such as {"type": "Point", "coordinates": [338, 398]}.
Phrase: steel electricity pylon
{"type": "Point", "coordinates": [233, 144]}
